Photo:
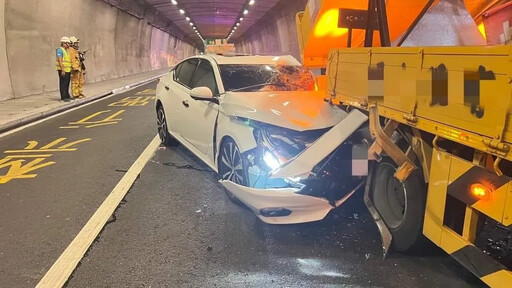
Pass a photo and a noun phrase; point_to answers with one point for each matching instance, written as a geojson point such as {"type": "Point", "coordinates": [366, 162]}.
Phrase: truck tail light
{"type": "Point", "coordinates": [480, 191]}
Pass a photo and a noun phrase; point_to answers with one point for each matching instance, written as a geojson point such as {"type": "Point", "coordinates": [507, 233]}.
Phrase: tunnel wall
{"type": "Point", "coordinates": [118, 43]}
{"type": "Point", "coordinates": [275, 33]}
{"type": "Point", "coordinates": [5, 78]}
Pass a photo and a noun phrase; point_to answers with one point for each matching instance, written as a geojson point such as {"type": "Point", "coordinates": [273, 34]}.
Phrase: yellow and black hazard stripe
{"type": "Point", "coordinates": [476, 261]}
{"type": "Point", "coordinates": [464, 176]}
{"type": "Point", "coordinates": [483, 266]}
{"type": "Point", "coordinates": [452, 212]}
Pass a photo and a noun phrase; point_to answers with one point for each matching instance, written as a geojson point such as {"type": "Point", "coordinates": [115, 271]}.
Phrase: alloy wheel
{"type": "Point", "coordinates": [162, 125]}
{"type": "Point", "coordinates": [231, 166]}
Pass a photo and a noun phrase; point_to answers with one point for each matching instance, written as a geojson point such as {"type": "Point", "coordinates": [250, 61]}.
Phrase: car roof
{"type": "Point", "coordinates": [252, 59]}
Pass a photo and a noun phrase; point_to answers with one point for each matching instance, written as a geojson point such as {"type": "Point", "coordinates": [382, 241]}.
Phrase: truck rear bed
{"type": "Point", "coordinates": [462, 94]}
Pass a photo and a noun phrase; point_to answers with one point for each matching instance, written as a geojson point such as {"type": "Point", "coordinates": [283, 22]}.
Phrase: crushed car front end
{"type": "Point", "coordinates": [299, 176]}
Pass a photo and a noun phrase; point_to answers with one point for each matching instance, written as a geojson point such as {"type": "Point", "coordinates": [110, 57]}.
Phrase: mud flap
{"type": "Point", "coordinates": [302, 164]}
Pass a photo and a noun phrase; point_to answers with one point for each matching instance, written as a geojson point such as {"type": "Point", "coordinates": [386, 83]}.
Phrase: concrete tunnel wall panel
{"type": "Point", "coordinates": [99, 38]}
{"type": "Point", "coordinates": [275, 33]}
{"type": "Point", "coordinates": [119, 44]}
{"type": "Point", "coordinates": [128, 41]}
{"type": "Point", "coordinates": [145, 47]}
{"type": "Point", "coordinates": [5, 77]}
{"type": "Point", "coordinates": [159, 52]}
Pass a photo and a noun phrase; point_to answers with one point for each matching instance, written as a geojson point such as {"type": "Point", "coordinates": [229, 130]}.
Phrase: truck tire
{"type": "Point", "coordinates": [401, 205]}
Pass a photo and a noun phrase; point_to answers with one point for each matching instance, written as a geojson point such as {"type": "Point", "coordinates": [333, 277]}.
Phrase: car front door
{"type": "Point", "coordinates": [201, 115]}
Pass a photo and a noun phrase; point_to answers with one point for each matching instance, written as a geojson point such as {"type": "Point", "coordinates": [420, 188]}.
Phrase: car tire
{"type": "Point", "coordinates": [163, 131]}
{"type": "Point", "coordinates": [229, 159]}
{"type": "Point", "coordinates": [401, 205]}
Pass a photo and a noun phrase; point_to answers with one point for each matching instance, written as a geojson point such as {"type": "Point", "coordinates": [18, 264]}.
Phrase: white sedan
{"type": "Point", "coordinates": [278, 145]}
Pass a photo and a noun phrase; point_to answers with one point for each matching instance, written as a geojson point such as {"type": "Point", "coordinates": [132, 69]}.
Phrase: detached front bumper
{"type": "Point", "coordinates": [280, 205]}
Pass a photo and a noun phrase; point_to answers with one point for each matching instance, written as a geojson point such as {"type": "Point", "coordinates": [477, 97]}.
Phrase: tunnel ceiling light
{"type": "Point", "coordinates": [188, 18]}
{"type": "Point", "coordinates": [174, 2]}
{"type": "Point", "coordinates": [182, 11]}
{"type": "Point", "coordinates": [237, 24]}
{"type": "Point", "coordinates": [241, 18]}
{"type": "Point", "coordinates": [191, 24]}
{"type": "Point", "coordinates": [251, 2]}
{"type": "Point", "coordinates": [246, 11]}
{"type": "Point", "coordinates": [234, 28]}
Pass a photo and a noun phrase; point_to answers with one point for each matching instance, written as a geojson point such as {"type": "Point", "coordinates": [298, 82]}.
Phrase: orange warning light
{"type": "Point", "coordinates": [480, 191]}
{"type": "Point", "coordinates": [328, 25]}
{"type": "Point", "coordinates": [481, 28]}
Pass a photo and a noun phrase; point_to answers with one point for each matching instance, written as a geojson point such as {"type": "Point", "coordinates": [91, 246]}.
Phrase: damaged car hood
{"type": "Point", "coordinates": [297, 110]}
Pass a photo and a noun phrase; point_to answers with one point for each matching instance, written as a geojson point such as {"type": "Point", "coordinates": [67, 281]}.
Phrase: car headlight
{"type": "Point", "coordinates": [277, 145]}
{"type": "Point", "coordinates": [271, 160]}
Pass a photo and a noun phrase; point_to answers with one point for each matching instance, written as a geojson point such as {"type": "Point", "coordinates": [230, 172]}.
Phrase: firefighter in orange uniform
{"type": "Point", "coordinates": [77, 77]}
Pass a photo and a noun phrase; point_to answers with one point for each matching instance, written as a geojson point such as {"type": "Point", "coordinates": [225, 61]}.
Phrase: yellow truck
{"type": "Point", "coordinates": [439, 103]}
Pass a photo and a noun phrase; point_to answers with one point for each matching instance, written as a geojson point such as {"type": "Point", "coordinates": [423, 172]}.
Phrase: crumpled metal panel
{"type": "Point", "coordinates": [448, 23]}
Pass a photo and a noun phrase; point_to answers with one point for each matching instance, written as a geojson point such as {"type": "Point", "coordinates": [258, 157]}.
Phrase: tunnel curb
{"type": "Point", "coordinates": [76, 103]}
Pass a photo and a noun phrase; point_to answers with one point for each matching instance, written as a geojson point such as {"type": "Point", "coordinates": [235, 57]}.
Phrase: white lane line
{"type": "Point", "coordinates": [9, 132]}
{"type": "Point", "coordinates": [66, 264]}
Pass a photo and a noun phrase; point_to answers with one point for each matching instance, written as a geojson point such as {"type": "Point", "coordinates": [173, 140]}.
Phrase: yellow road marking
{"type": "Point", "coordinates": [64, 266]}
{"type": "Point", "coordinates": [19, 171]}
{"type": "Point", "coordinates": [74, 143]}
{"type": "Point", "coordinates": [133, 101]}
{"type": "Point", "coordinates": [19, 165]}
{"type": "Point", "coordinates": [40, 150]}
{"type": "Point", "coordinates": [88, 123]}
{"type": "Point", "coordinates": [51, 144]}
{"type": "Point", "coordinates": [29, 156]}
{"type": "Point", "coordinates": [31, 145]}
{"type": "Point", "coordinates": [78, 107]}
{"type": "Point", "coordinates": [101, 124]}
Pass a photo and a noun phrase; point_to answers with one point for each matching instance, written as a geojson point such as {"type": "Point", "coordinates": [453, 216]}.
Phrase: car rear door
{"type": "Point", "coordinates": [201, 115]}
{"type": "Point", "coordinates": [178, 92]}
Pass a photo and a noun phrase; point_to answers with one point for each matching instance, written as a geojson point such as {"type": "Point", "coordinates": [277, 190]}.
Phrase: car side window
{"type": "Point", "coordinates": [176, 72]}
{"type": "Point", "coordinates": [185, 71]}
{"type": "Point", "coordinates": [205, 77]}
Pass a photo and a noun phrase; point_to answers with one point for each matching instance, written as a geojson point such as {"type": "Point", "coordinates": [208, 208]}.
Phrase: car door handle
{"type": "Point", "coordinates": [185, 103]}
{"type": "Point", "coordinates": [167, 87]}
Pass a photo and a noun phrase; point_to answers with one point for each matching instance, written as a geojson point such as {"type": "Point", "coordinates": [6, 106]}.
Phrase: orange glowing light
{"type": "Point", "coordinates": [481, 28]}
{"type": "Point", "coordinates": [480, 191]}
{"type": "Point", "coordinates": [328, 25]}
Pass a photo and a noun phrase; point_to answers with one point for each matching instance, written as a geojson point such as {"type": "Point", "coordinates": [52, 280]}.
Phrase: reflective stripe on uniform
{"type": "Point", "coordinates": [66, 61]}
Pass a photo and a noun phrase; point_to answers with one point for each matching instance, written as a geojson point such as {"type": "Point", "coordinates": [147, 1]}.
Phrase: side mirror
{"type": "Point", "coordinates": [203, 93]}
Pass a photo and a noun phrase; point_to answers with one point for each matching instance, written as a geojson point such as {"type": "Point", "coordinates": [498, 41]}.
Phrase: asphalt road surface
{"type": "Point", "coordinates": [40, 216]}
{"type": "Point", "coordinates": [176, 227]}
